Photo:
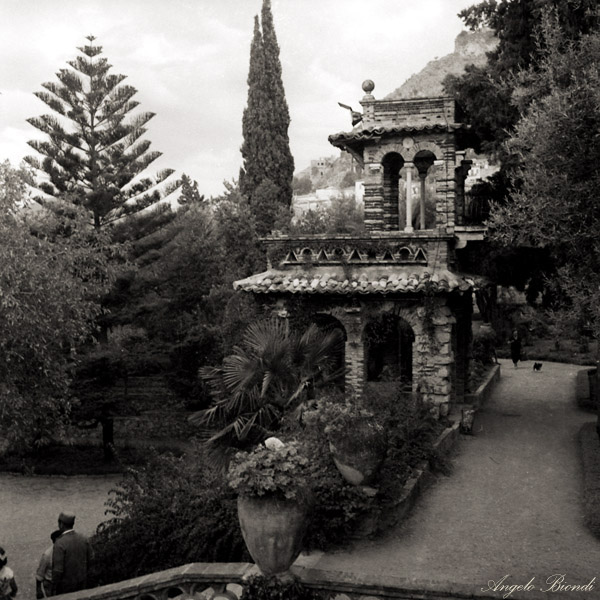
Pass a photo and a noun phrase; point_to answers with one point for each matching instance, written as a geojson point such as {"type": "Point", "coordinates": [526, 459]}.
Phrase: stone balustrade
{"type": "Point", "coordinates": [224, 581]}
{"type": "Point", "coordinates": [378, 248]}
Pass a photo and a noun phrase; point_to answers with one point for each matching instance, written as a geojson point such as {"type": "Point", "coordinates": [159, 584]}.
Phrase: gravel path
{"type": "Point", "coordinates": [512, 505]}
{"type": "Point", "coordinates": [29, 509]}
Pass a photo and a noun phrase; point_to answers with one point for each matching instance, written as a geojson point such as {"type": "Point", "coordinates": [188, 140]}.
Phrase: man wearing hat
{"type": "Point", "coordinates": [70, 558]}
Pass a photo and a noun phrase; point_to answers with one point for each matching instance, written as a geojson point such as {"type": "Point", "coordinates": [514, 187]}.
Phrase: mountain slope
{"type": "Point", "coordinates": [470, 47]}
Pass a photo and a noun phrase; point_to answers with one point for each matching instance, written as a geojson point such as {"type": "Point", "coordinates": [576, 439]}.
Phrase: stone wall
{"type": "Point", "coordinates": [149, 426]}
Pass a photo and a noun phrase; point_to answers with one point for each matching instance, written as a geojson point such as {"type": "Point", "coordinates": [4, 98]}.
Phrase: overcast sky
{"type": "Point", "coordinates": [189, 61]}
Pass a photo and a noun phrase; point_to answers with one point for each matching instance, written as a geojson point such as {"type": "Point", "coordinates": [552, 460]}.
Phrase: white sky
{"type": "Point", "coordinates": [189, 61]}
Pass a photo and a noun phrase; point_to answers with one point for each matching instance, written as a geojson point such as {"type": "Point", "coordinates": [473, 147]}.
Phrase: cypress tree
{"type": "Point", "coordinates": [268, 163]}
{"type": "Point", "coordinates": [281, 171]}
{"type": "Point", "coordinates": [93, 152]}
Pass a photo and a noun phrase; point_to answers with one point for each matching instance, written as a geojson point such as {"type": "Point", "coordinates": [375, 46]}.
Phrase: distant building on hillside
{"type": "Point", "coordinates": [321, 199]}
{"type": "Point", "coordinates": [480, 170]}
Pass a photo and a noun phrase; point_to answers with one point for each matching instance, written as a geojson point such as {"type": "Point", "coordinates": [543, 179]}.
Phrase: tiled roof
{"type": "Point", "coordinates": [369, 280]}
{"type": "Point", "coordinates": [376, 132]}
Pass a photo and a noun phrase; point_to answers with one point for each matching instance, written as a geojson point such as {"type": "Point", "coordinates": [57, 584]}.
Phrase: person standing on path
{"type": "Point", "coordinates": [515, 348]}
{"type": "Point", "coordinates": [71, 557]}
{"type": "Point", "coordinates": [8, 585]}
{"type": "Point", "coordinates": [43, 575]}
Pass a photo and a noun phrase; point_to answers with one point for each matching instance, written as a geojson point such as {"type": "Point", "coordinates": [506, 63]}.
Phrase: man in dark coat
{"type": "Point", "coordinates": [70, 558]}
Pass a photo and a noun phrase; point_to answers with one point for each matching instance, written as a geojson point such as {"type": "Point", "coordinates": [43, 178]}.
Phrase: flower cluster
{"type": "Point", "coordinates": [281, 472]}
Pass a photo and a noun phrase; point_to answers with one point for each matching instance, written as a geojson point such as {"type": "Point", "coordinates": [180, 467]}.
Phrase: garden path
{"type": "Point", "coordinates": [29, 509]}
{"type": "Point", "coordinates": [512, 505]}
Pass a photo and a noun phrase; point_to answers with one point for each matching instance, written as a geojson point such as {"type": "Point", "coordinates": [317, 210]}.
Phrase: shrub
{"type": "Point", "coordinates": [337, 506]}
{"type": "Point", "coordinates": [484, 346]}
{"type": "Point", "coordinates": [477, 373]}
{"type": "Point", "coordinates": [413, 428]}
{"type": "Point", "coordinates": [259, 587]}
{"type": "Point", "coordinates": [170, 512]}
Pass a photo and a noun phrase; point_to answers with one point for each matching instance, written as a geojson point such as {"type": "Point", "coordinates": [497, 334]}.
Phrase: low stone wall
{"type": "Point", "coordinates": [477, 398]}
{"type": "Point", "coordinates": [149, 426]}
{"type": "Point", "coordinates": [585, 391]}
{"type": "Point", "coordinates": [422, 474]}
{"type": "Point", "coordinates": [413, 487]}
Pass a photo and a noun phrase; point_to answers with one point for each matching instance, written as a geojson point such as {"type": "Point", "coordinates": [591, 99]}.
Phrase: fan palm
{"type": "Point", "coordinates": [269, 375]}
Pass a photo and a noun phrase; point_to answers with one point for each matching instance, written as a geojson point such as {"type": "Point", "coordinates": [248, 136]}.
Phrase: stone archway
{"type": "Point", "coordinates": [388, 341]}
{"type": "Point", "coordinates": [423, 161]}
{"type": "Point", "coordinates": [327, 323]}
{"type": "Point", "coordinates": [392, 164]}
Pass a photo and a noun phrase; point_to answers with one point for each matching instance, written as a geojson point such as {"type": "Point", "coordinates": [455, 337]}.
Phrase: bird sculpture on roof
{"type": "Point", "coordinates": [356, 116]}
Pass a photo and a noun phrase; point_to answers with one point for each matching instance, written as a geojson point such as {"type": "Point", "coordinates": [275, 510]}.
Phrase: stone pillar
{"type": "Point", "coordinates": [422, 176]}
{"type": "Point", "coordinates": [461, 172]}
{"type": "Point", "coordinates": [354, 351]}
{"type": "Point", "coordinates": [434, 356]}
{"type": "Point", "coordinates": [408, 166]}
{"type": "Point", "coordinates": [373, 198]}
{"type": "Point", "coordinates": [355, 367]}
{"type": "Point", "coordinates": [464, 337]}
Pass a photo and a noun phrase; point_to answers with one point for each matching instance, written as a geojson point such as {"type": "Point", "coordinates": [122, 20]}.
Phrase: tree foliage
{"type": "Point", "coordinates": [236, 225]}
{"type": "Point", "coordinates": [485, 92]}
{"type": "Point", "coordinates": [557, 143]}
{"type": "Point", "coordinates": [93, 154]}
{"type": "Point", "coordinates": [189, 191]}
{"type": "Point", "coordinates": [343, 215]}
{"type": "Point", "coordinates": [268, 166]}
{"type": "Point", "coordinates": [53, 266]}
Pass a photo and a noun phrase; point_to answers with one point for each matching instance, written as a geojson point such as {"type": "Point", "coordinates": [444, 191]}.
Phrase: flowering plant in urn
{"type": "Point", "coordinates": [275, 469]}
{"type": "Point", "coordinates": [272, 483]}
{"type": "Point", "coordinates": [357, 439]}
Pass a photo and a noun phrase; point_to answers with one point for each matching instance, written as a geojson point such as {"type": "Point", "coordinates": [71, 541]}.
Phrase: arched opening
{"type": "Point", "coordinates": [389, 349]}
{"type": "Point", "coordinates": [392, 164]}
{"type": "Point", "coordinates": [327, 323]}
{"type": "Point", "coordinates": [424, 217]}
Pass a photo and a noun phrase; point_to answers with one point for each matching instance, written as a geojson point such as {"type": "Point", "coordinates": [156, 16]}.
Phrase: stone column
{"type": "Point", "coordinates": [422, 176]}
{"type": "Point", "coordinates": [408, 166]}
{"type": "Point", "coordinates": [354, 351]}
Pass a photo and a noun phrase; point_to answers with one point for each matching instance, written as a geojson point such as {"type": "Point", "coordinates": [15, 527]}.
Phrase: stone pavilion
{"type": "Point", "coordinates": [396, 291]}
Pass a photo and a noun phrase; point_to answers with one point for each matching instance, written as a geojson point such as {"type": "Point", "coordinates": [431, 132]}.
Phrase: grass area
{"type": "Point", "coordinates": [590, 457]}
{"type": "Point", "coordinates": [75, 460]}
{"type": "Point", "coordinates": [569, 351]}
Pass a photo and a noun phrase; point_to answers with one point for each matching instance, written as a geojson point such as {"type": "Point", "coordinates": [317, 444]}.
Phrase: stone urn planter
{"type": "Point", "coordinates": [357, 440]}
{"type": "Point", "coordinates": [273, 530]}
{"type": "Point", "coordinates": [358, 451]}
{"type": "Point", "coordinates": [272, 483]}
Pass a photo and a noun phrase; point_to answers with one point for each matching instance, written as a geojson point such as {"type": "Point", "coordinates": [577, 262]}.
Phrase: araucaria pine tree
{"type": "Point", "coordinates": [94, 154]}
{"type": "Point", "coordinates": [268, 169]}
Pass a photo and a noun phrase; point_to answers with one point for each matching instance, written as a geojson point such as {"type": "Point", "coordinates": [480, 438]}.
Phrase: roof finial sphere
{"type": "Point", "coordinates": [368, 86]}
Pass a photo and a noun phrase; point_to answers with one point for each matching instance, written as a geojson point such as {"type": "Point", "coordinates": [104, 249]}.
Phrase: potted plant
{"type": "Point", "coordinates": [272, 486]}
{"type": "Point", "coordinates": [357, 440]}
